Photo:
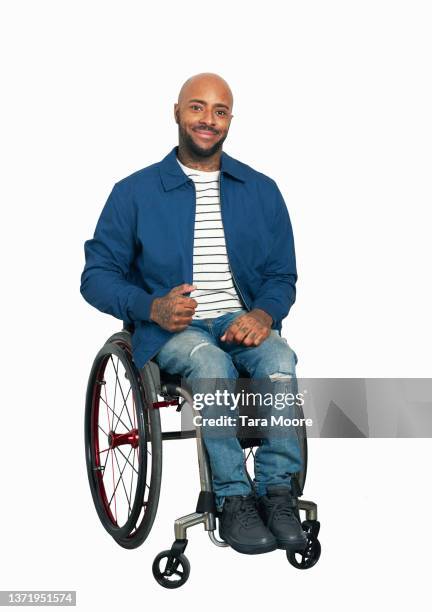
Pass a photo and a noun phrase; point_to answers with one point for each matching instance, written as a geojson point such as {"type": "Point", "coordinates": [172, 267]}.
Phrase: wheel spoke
{"type": "Point", "coordinates": [121, 391]}
{"type": "Point", "coordinates": [103, 431]}
{"type": "Point", "coordinates": [124, 486]}
{"type": "Point", "coordinates": [115, 501]}
{"type": "Point", "coordinates": [112, 461]}
{"type": "Point", "coordinates": [125, 406]}
{"type": "Point", "coordinates": [248, 455]}
{"type": "Point", "coordinates": [124, 400]}
{"type": "Point", "coordinates": [122, 453]}
{"type": "Point", "coordinates": [134, 453]}
{"type": "Point", "coordinates": [115, 388]}
{"type": "Point", "coordinates": [133, 467]}
{"type": "Point", "coordinates": [115, 489]}
{"type": "Point", "coordinates": [106, 461]}
{"type": "Point", "coordinates": [114, 413]}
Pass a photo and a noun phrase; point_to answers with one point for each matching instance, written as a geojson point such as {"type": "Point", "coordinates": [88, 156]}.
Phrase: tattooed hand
{"type": "Point", "coordinates": [249, 329]}
{"type": "Point", "coordinates": [174, 311]}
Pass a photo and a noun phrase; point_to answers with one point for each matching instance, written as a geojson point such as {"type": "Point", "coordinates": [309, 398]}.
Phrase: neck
{"type": "Point", "coordinates": [206, 164]}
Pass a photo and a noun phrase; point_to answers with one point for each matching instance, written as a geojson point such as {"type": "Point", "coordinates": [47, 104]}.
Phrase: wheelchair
{"type": "Point", "coordinates": [123, 447]}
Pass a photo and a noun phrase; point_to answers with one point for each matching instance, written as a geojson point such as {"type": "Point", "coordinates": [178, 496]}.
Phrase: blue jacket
{"type": "Point", "coordinates": [143, 245]}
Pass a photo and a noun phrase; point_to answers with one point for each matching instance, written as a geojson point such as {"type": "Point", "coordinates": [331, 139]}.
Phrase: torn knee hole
{"type": "Point", "coordinates": [280, 376]}
{"type": "Point", "coordinates": [198, 346]}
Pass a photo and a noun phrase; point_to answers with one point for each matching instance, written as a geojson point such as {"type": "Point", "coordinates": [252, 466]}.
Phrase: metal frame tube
{"type": "Point", "coordinates": [182, 524]}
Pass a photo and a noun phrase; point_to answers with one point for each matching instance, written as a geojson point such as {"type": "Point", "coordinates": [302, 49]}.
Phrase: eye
{"type": "Point", "coordinates": [221, 111]}
{"type": "Point", "coordinates": [194, 106]}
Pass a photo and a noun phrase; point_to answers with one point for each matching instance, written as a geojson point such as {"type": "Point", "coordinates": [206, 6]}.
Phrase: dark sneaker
{"type": "Point", "coordinates": [241, 526]}
{"type": "Point", "coordinates": [279, 512]}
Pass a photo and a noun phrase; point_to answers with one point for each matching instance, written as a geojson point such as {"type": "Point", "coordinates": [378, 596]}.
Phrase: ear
{"type": "Point", "coordinates": [176, 111]}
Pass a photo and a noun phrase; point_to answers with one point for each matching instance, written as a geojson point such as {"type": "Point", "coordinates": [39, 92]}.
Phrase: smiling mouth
{"type": "Point", "coordinates": [205, 133]}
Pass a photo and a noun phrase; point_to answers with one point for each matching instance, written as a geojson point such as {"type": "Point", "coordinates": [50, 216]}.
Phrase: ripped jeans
{"type": "Point", "coordinates": [199, 356]}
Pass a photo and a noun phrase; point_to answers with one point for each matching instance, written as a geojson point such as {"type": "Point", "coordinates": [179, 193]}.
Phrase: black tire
{"type": "Point", "coordinates": [138, 430]}
{"type": "Point", "coordinates": [153, 424]}
{"type": "Point", "coordinates": [308, 557]}
{"type": "Point", "coordinates": [171, 569]}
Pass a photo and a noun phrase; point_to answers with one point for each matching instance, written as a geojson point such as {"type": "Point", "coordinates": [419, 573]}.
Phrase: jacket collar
{"type": "Point", "coordinates": [172, 174]}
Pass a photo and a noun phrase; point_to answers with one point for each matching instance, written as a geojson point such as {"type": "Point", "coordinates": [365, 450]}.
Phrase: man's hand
{"type": "Point", "coordinates": [249, 329]}
{"type": "Point", "coordinates": [174, 311]}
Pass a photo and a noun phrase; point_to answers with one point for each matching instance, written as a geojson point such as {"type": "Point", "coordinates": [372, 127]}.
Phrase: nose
{"type": "Point", "coordinates": [207, 117]}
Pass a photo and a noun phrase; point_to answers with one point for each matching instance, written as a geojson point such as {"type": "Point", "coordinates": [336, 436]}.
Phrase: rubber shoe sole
{"type": "Point", "coordinates": [292, 546]}
{"type": "Point", "coordinates": [250, 549]}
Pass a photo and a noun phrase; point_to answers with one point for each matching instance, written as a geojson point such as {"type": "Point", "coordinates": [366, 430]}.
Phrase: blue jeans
{"type": "Point", "coordinates": [198, 355]}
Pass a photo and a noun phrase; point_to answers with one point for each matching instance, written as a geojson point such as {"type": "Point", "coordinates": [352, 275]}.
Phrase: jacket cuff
{"type": "Point", "coordinates": [269, 307]}
{"type": "Point", "coordinates": [140, 305]}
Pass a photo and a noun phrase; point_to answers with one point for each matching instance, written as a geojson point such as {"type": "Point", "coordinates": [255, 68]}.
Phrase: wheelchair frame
{"type": "Point", "coordinates": [147, 385]}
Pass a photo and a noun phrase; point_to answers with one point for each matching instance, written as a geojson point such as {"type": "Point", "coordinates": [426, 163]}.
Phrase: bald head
{"type": "Point", "coordinates": [205, 82]}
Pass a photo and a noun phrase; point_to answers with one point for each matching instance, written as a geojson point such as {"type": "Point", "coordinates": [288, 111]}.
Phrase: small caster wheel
{"type": "Point", "coordinates": [304, 559]}
{"type": "Point", "coordinates": [175, 572]}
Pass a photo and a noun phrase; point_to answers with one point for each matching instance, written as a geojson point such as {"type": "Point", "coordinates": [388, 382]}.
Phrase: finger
{"type": "Point", "coordinates": [250, 338]}
{"type": "Point", "coordinates": [186, 301]}
{"type": "Point", "coordinates": [180, 324]}
{"type": "Point", "coordinates": [184, 288]}
{"type": "Point", "coordinates": [258, 332]}
{"type": "Point", "coordinates": [185, 319]}
{"type": "Point", "coordinates": [182, 303]}
{"type": "Point", "coordinates": [228, 334]}
{"type": "Point", "coordinates": [261, 337]}
{"type": "Point", "coordinates": [184, 311]}
{"type": "Point", "coordinates": [234, 334]}
{"type": "Point", "coordinates": [242, 330]}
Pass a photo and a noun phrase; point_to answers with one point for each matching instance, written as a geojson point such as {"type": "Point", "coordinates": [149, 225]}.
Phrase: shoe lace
{"type": "Point", "coordinates": [282, 507]}
{"type": "Point", "coordinates": [247, 513]}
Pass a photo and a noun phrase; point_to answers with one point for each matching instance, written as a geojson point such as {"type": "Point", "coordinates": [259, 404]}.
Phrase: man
{"type": "Point", "coordinates": [197, 251]}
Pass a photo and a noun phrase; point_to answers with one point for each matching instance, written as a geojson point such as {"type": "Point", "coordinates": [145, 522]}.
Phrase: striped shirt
{"type": "Point", "coordinates": [215, 293]}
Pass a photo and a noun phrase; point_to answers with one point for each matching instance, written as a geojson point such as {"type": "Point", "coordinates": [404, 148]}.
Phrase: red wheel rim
{"type": "Point", "coordinates": [116, 442]}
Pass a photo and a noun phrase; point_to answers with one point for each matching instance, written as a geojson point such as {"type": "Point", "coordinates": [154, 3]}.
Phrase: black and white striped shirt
{"type": "Point", "coordinates": [216, 294]}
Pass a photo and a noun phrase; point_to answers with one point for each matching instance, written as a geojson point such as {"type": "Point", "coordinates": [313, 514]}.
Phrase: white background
{"type": "Point", "coordinates": [331, 99]}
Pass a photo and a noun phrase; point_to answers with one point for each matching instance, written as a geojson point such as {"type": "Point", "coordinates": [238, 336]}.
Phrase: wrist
{"type": "Point", "coordinates": [262, 316]}
{"type": "Point", "coordinates": [153, 309]}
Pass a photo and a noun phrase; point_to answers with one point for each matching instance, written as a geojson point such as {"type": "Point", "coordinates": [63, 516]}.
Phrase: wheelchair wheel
{"type": "Point", "coordinates": [123, 443]}
{"type": "Point", "coordinates": [307, 558]}
{"type": "Point", "coordinates": [171, 570]}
